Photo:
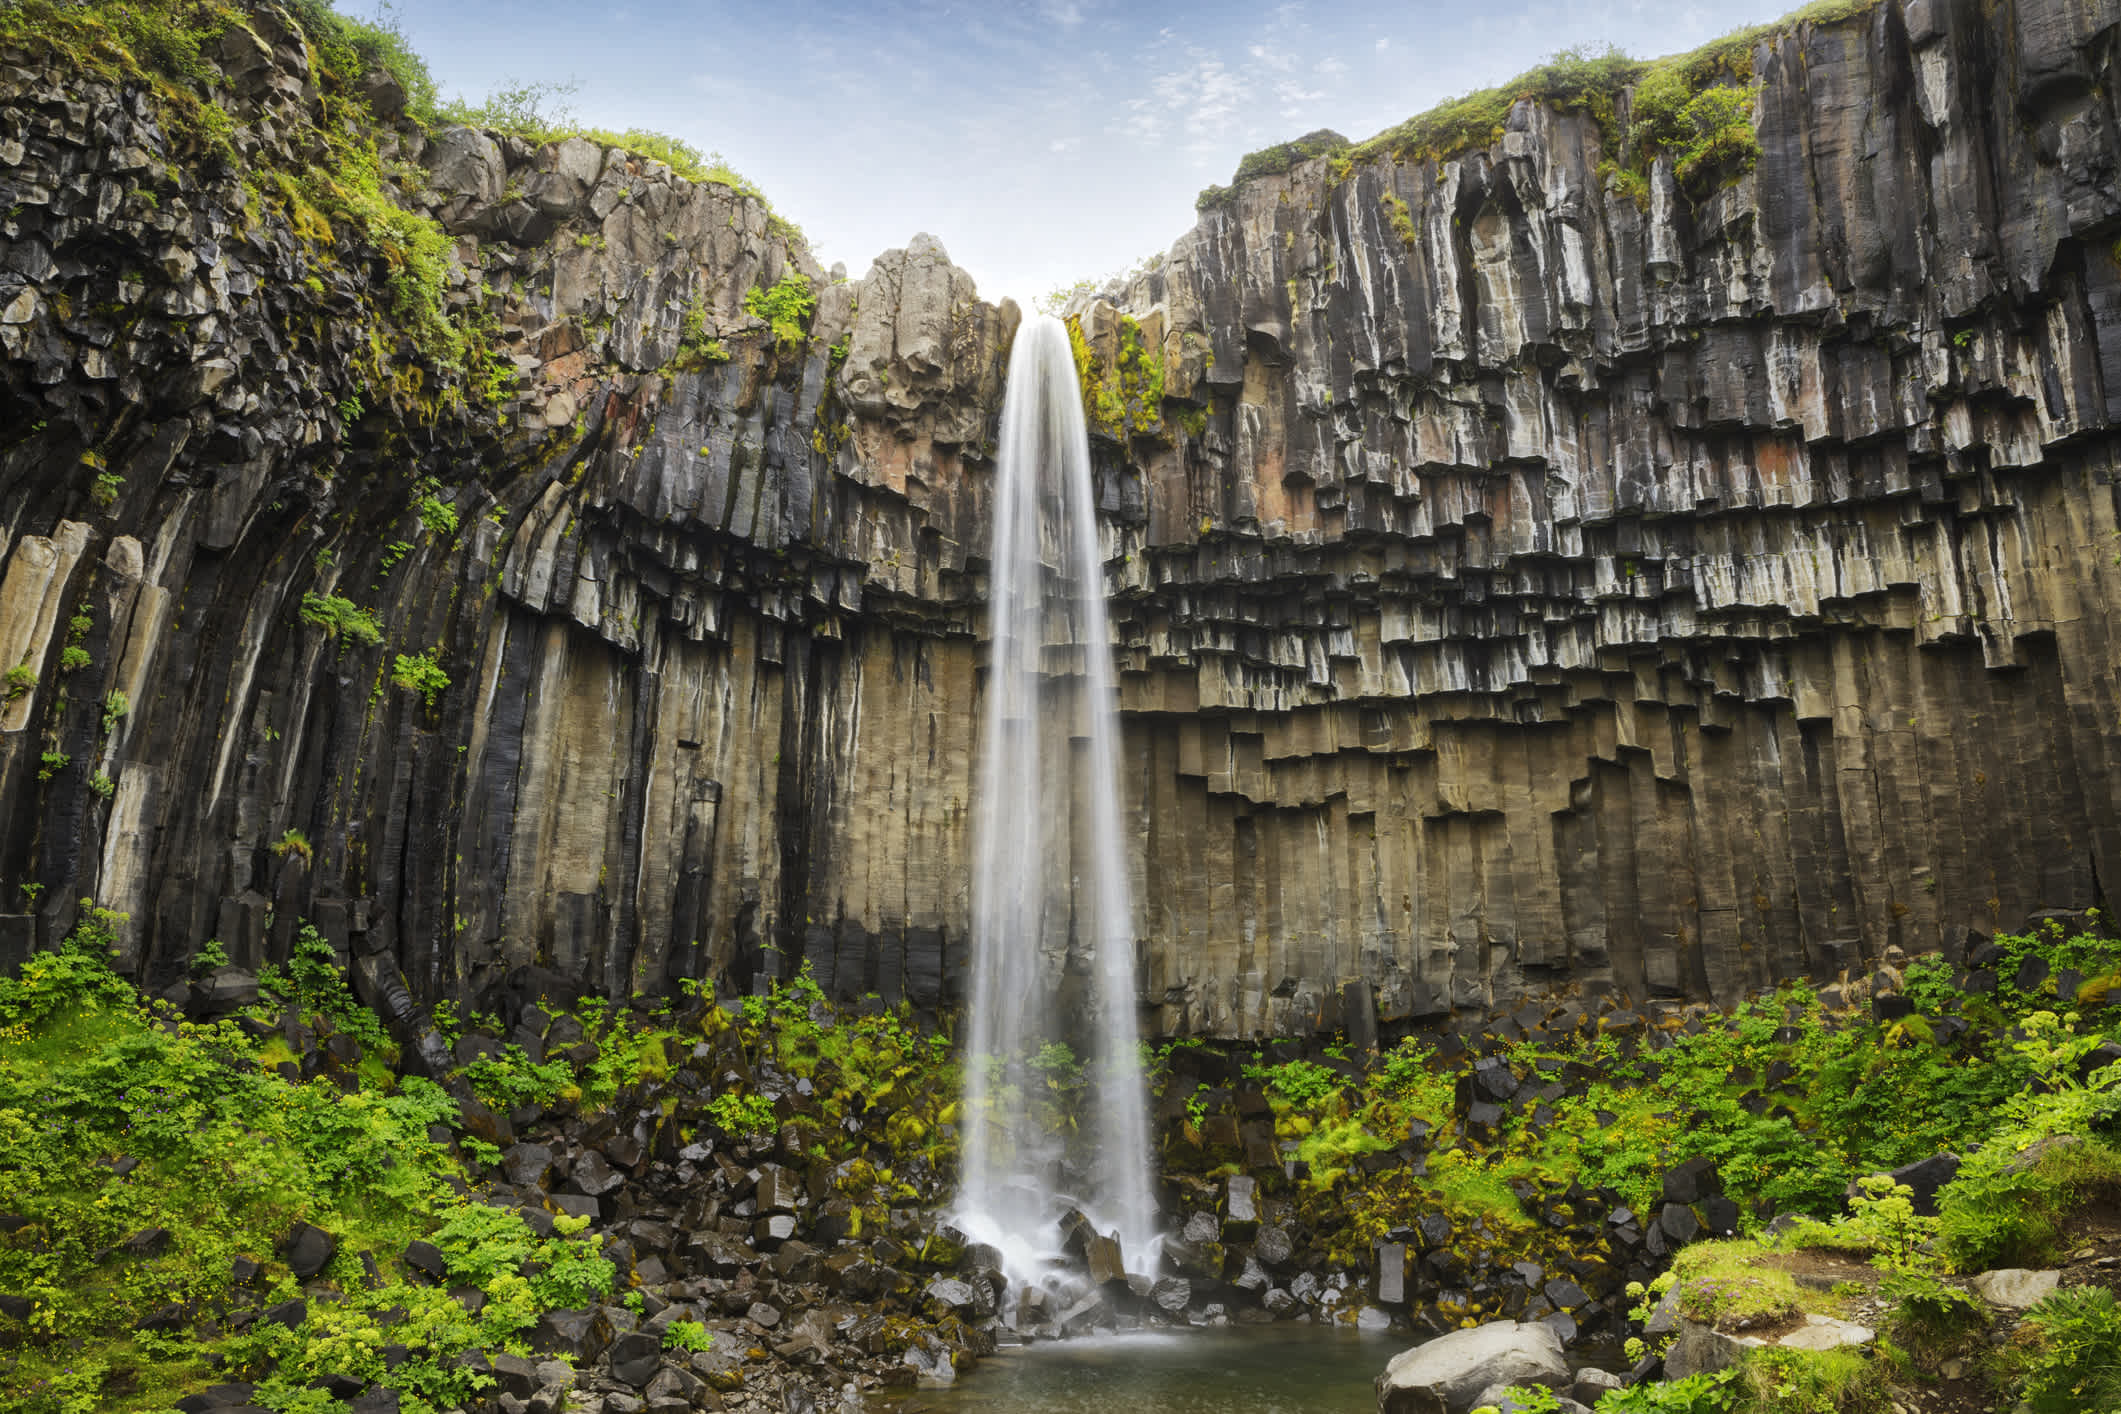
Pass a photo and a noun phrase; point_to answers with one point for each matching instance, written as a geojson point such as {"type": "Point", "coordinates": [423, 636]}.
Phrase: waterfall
{"type": "Point", "coordinates": [1052, 920]}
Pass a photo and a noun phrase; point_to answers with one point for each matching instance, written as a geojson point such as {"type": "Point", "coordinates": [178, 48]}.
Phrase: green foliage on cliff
{"type": "Point", "coordinates": [1693, 106]}
{"type": "Point", "coordinates": [1272, 161]}
{"type": "Point", "coordinates": [1587, 80]}
{"type": "Point", "coordinates": [422, 673]}
{"type": "Point", "coordinates": [341, 618]}
{"type": "Point", "coordinates": [1124, 397]}
{"type": "Point", "coordinates": [786, 305]}
{"type": "Point", "coordinates": [537, 111]}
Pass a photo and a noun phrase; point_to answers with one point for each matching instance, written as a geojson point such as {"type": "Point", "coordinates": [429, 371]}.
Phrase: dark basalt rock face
{"type": "Point", "coordinates": [1667, 598]}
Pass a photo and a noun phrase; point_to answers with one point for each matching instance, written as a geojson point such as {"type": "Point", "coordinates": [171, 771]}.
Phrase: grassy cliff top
{"type": "Point", "coordinates": [1574, 80]}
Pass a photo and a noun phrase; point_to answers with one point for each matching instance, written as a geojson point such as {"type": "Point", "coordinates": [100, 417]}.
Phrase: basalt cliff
{"type": "Point", "coordinates": [1524, 575]}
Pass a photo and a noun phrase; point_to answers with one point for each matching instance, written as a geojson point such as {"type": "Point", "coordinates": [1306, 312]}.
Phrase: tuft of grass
{"type": "Point", "coordinates": [1728, 1286]}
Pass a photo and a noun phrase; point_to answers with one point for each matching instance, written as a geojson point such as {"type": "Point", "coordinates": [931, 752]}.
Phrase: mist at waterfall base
{"type": "Point", "coordinates": [1053, 946]}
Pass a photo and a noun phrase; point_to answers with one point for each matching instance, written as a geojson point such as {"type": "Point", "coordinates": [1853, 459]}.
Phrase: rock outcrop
{"type": "Point", "coordinates": [1541, 588]}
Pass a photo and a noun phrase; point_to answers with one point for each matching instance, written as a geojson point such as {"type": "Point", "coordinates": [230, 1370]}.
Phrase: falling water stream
{"type": "Point", "coordinates": [1052, 921]}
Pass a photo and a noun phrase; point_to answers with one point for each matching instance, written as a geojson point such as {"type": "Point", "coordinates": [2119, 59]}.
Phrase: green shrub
{"type": "Point", "coordinates": [1696, 1394]}
{"type": "Point", "coordinates": [2005, 1211]}
{"type": "Point", "coordinates": [341, 618]}
{"type": "Point", "coordinates": [512, 1079]}
{"type": "Point", "coordinates": [421, 673]}
{"type": "Point", "coordinates": [687, 1335]}
{"type": "Point", "coordinates": [737, 1114]}
{"type": "Point", "coordinates": [1301, 1084]}
{"type": "Point", "coordinates": [786, 305]}
{"type": "Point", "coordinates": [1930, 1318]}
{"type": "Point", "coordinates": [2076, 1366]}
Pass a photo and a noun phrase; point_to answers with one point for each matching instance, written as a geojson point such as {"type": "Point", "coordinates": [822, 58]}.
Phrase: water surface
{"type": "Point", "coordinates": [1235, 1370]}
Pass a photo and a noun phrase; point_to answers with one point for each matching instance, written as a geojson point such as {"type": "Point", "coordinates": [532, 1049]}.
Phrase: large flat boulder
{"type": "Point", "coordinates": [1448, 1374]}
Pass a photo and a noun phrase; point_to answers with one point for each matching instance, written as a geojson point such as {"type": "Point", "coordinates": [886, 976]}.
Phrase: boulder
{"type": "Point", "coordinates": [306, 1249]}
{"type": "Point", "coordinates": [579, 1334]}
{"type": "Point", "coordinates": [1105, 1260]}
{"type": "Point", "coordinates": [1692, 1181]}
{"type": "Point", "coordinates": [1701, 1349]}
{"type": "Point", "coordinates": [635, 1357]}
{"type": "Point", "coordinates": [2015, 1288]}
{"type": "Point", "coordinates": [1240, 1209]}
{"type": "Point", "coordinates": [1924, 1177]}
{"type": "Point", "coordinates": [1448, 1374]}
{"type": "Point", "coordinates": [527, 1165]}
{"type": "Point", "coordinates": [1826, 1333]}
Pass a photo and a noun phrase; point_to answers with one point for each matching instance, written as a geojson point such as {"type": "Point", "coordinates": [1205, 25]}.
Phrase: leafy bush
{"type": "Point", "coordinates": [687, 1335]}
{"type": "Point", "coordinates": [787, 305]}
{"type": "Point", "coordinates": [1696, 1394]}
{"type": "Point", "coordinates": [421, 673]}
{"type": "Point", "coordinates": [341, 618]}
{"type": "Point", "coordinates": [512, 1079]}
{"type": "Point", "coordinates": [1931, 1318]}
{"type": "Point", "coordinates": [740, 1114]}
{"type": "Point", "coordinates": [2076, 1365]}
{"type": "Point", "coordinates": [1302, 1084]}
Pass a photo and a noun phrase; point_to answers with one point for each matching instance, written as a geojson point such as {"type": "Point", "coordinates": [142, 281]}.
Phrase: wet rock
{"type": "Point", "coordinates": [1692, 1181]}
{"type": "Point", "coordinates": [148, 1242]}
{"type": "Point", "coordinates": [1924, 1177]}
{"type": "Point", "coordinates": [1172, 1295]}
{"type": "Point", "coordinates": [1446, 1375]}
{"type": "Point", "coordinates": [1106, 1262]}
{"type": "Point", "coordinates": [527, 1165]}
{"type": "Point", "coordinates": [579, 1334]}
{"type": "Point", "coordinates": [1240, 1209]}
{"type": "Point", "coordinates": [593, 1174]}
{"type": "Point", "coordinates": [306, 1249]}
{"type": "Point", "coordinates": [635, 1357]}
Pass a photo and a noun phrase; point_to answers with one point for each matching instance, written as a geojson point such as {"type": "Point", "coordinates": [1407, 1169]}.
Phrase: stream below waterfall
{"type": "Point", "coordinates": [1232, 1370]}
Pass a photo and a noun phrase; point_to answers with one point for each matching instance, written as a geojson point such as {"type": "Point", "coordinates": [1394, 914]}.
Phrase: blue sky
{"type": "Point", "coordinates": [1043, 141]}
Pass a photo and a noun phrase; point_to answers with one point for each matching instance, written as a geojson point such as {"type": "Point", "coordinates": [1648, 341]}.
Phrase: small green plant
{"type": "Point", "coordinates": [102, 785]}
{"type": "Point", "coordinates": [786, 305]}
{"type": "Point", "coordinates": [437, 515]}
{"type": "Point", "coordinates": [421, 673]}
{"type": "Point", "coordinates": [52, 763]}
{"type": "Point", "coordinates": [687, 1335]}
{"type": "Point", "coordinates": [351, 409]}
{"type": "Point", "coordinates": [2076, 1365]}
{"type": "Point", "coordinates": [1525, 1399]}
{"type": "Point", "coordinates": [513, 1079]}
{"type": "Point", "coordinates": [1302, 1084]}
{"type": "Point", "coordinates": [20, 679]}
{"type": "Point", "coordinates": [74, 658]}
{"type": "Point", "coordinates": [1931, 1318]}
{"type": "Point", "coordinates": [737, 1114]}
{"type": "Point", "coordinates": [341, 618]}
{"type": "Point", "coordinates": [696, 348]}
{"type": "Point", "coordinates": [293, 844]}
{"type": "Point", "coordinates": [1696, 1394]}
{"type": "Point", "coordinates": [116, 706]}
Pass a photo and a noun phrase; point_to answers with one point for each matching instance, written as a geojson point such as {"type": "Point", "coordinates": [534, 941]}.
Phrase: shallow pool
{"type": "Point", "coordinates": [1231, 1370]}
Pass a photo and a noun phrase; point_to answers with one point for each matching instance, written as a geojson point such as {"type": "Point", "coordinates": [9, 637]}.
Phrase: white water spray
{"type": "Point", "coordinates": [1050, 904]}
